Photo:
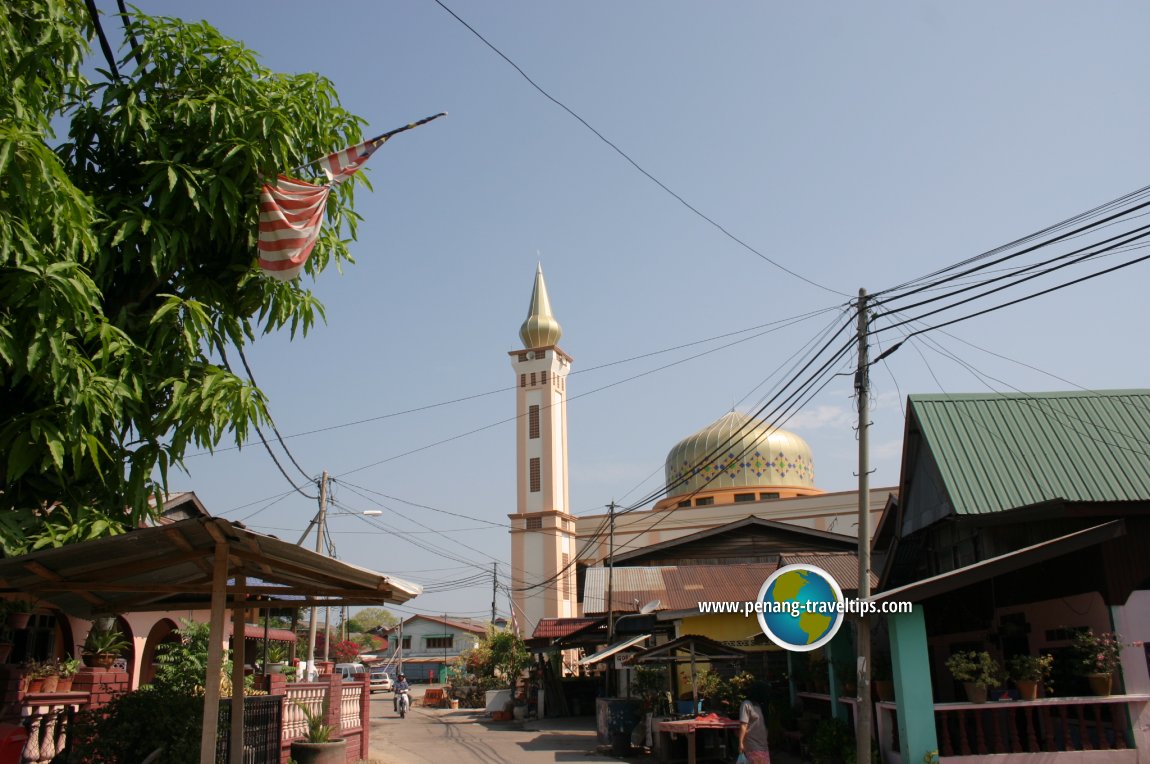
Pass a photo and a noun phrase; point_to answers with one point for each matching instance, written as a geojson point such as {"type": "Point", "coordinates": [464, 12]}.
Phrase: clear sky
{"type": "Point", "coordinates": [856, 144]}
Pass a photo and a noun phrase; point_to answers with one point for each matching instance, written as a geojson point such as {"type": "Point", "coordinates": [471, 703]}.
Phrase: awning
{"type": "Point", "coordinates": [431, 659]}
{"type": "Point", "coordinates": [1003, 563]}
{"type": "Point", "coordinates": [609, 651]}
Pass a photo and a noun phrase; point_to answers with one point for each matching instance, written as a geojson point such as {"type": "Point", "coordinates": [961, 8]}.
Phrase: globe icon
{"type": "Point", "coordinates": [802, 607]}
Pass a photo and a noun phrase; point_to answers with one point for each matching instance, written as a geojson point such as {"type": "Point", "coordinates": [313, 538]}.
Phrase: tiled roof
{"type": "Point", "coordinates": [997, 452]}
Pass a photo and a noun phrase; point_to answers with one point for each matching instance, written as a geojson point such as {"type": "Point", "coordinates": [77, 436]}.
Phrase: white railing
{"type": "Point", "coordinates": [350, 713]}
{"type": "Point", "coordinates": [310, 696]}
{"type": "Point", "coordinates": [47, 726]}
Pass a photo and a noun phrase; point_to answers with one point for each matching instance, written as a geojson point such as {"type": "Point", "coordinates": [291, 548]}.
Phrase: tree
{"type": "Point", "coordinates": [128, 284]}
{"type": "Point", "coordinates": [372, 618]}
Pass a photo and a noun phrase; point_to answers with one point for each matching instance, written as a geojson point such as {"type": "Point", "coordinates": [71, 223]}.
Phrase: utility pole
{"type": "Point", "coordinates": [862, 389]}
{"type": "Point", "coordinates": [444, 674]}
{"type": "Point", "coordinates": [399, 651]}
{"type": "Point", "coordinates": [610, 588]}
{"type": "Point", "coordinates": [321, 519]}
{"type": "Point", "coordinates": [494, 585]}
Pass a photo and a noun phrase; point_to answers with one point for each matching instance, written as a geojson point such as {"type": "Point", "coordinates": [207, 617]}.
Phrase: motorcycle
{"type": "Point", "coordinates": [403, 702]}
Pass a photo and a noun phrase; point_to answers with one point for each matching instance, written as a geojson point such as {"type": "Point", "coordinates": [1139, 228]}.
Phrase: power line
{"type": "Point", "coordinates": [631, 161]}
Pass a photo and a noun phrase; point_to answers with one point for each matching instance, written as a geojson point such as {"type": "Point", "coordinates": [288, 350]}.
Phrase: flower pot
{"type": "Point", "coordinates": [975, 693]}
{"type": "Point", "coordinates": [19, 620]}
{"type": "Point", "coordinates": [5, 651]}
{"type": "Point", "coordinates": [35, 685]}
{"type": "Point", "coordinates": [1027, 688]}
{"type": "Point", "coordinates": [50, 683]}
{"type": "Point", "coordinates": [885, 690]}
{"type": "Point", "coordinates": [331, 752]}
{"type": "Point", "coordinates": [65, 684]}
{"type": "Point", "coordinates": [1099, 683]}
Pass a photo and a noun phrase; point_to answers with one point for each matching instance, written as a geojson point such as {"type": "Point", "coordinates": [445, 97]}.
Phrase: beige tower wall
{"type": "Point", "coordinates": [543, 529]}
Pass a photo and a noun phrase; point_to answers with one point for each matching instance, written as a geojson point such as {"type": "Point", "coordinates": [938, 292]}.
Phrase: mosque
{"type": "Point", "coordinates": [733, 469]}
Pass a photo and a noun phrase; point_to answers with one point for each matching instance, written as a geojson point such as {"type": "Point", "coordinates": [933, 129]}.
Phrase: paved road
{"type": "Point", "coordinates": [467, 737]}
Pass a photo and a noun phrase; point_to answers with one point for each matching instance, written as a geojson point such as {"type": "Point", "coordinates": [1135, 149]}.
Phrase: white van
{"type": "Point", "coordinates": [351, 672]}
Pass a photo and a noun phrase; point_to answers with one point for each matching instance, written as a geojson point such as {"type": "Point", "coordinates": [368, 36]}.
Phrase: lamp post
{"type": "Point", "coordinates": [647, 609]}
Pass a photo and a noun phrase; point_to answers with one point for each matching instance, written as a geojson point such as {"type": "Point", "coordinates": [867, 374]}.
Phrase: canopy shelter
{"type": "Point", "coordinates": [182, 565]}
{"type": "Point", "coordinates": [689, 649]}
{"type": "Point", "coordinates": [618, 647]}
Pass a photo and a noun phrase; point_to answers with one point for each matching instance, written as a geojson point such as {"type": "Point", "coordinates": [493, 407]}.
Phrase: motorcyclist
{"type": "Point", "coordinates": [401, 686]}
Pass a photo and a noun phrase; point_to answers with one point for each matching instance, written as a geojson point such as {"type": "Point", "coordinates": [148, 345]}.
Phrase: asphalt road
{"type": "Point", "coordinates": [468, 737]}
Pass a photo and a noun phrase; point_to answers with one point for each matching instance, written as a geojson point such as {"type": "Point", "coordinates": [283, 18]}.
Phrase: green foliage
{"type": "Point", "coordinates": [182, 665]}
{"type": "Point", "coordinates": [318, 730]}
{"type": "Point", "coordinates": [834, 741]}
{"type": "Point", "coordinates": [373, 617]}
{"type": "Point", "coordinates": [105, 641]}
{"type": "Point", "coordinates": [1035, 668]}
{"type": "Point", "coordinates": [128, 259]}
{"type": "Point", "coordinates": [975, 666]}
{"type": "Point", "coordinates": [135, 724]}
{"type": "Point", "coordinates": [1098, 653]}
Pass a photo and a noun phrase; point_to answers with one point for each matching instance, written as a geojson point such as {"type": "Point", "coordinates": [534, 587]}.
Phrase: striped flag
{"type": "Point", "coordinates": [291, 210]}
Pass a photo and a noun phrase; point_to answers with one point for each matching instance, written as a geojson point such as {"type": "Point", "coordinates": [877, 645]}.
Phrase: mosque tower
{"type": "Point", "coordinates": [543, 529]}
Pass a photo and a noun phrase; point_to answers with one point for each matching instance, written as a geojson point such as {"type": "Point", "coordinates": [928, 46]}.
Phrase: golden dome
{"type": "Point", "coordinates": [540, 329]}
{"type": "Point", "coordinates": [738, 451]}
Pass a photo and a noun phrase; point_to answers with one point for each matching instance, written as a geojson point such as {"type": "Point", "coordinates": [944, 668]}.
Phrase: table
{"type": "Point", "coordinates": [710, 726]}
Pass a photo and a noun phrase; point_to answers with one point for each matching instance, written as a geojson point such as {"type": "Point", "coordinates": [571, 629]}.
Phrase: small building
{"type": "Point", "coordinates": [429, 644]}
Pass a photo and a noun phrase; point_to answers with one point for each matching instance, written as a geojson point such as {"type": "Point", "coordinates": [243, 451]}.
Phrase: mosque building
{"type": "Point", "coordinates": [735, 468]}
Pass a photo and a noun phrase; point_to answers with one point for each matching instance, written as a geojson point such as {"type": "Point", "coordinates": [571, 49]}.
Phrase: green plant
{"type": "Point", "coordinates": [650, 684]}
{"type": "Point", "coordinates": [277, 652]}
{"type": "Point", "coordinates": [318, 730]}
{"type": "Point", "coordinates": [1098, 653]}
{"type": "Point", "coordinates": [133, 725]}
{"type": "Point", "coordinates": [105, 641]}
{"type": "Point", "coordinates": [976, 667]}
{"type": "Point", "coordinates": [67, 667]}
{"type": "Point", "coordinates": [834, 741]}
{"type": "Point", "coordinates": [1034, 668]}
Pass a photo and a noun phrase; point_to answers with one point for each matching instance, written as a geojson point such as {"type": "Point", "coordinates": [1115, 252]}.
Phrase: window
{"type": "Point", "coordinates": [771, 495]}
{"type": "Point", "coordinates": [744, 497]}
{"type": "Point", "coordinates": [567, 577]}
{"type": "Point", "coordinates": [522, 356]}
{"type": "Point", "coordinates": [534, 476]}
{"type": "Point", "coordinates": [540, 355]}
{"type": "Point", "coordinates": [684, 503]}
{"type": "Point", "coordinates": [533, 421]}
{"type": "Point", "coordinates": [706, 501]}
{"type": "Point", "coordinates": [533, 379]}
{"type": "Point", "coordinates": [534, 524]}
{"type": "Point", "coordinates": [442, 643]}
{"type": "Point", "coordinates": [543, 377]}
{"type": "Point", "coordinates": [523, 380]}
{"type": "Point", "coordinates": [407, 643]}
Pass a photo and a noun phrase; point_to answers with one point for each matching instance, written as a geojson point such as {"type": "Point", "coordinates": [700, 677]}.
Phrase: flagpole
{"type": "Point", "coordinates": [374, 141]}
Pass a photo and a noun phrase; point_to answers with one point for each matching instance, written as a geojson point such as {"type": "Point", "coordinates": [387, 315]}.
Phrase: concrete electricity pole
{"type": "Point", "coordinates": [862, 388]}
{"type": "Point", "coordinates": [321, 519]}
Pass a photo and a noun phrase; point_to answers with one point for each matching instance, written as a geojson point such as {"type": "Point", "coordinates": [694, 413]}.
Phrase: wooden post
{"type": "Point", "coordinates": [215, 656]}
{"type": "Point", "coordinates": [239, 621]}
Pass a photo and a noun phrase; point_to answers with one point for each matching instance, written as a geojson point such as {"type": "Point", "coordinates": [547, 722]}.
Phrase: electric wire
{"type": "Point", "coordinates": [631, 161]}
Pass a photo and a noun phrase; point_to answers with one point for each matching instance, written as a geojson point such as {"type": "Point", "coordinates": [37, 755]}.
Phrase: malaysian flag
{"type": "Point", "coordinates": [291, 210]}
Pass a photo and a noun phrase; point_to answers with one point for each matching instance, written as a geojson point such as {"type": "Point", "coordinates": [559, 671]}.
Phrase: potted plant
{"type": "Point", "coordinates": [19, 613]}
{"type": "Point", "coordinates": [318, 746]}
{"type": "Point", "coordinates": [1101, 657]}
{"type": "Point", "coordinates": [66, 669]}
{"type": "Point", "coordinates": [103, 646]}
{"type": "Point", "coordinates": [977, 671]}
{"type": "Point", "coordinates": [276, 661]}
{"type": "Point", "coordinates": [1028, 672]}
{"type": "Point", "coordinates": [33, 676]}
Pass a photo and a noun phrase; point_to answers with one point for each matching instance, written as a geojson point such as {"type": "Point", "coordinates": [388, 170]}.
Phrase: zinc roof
{"type": "Point", "coordinates": [677, 587]}
{"type": "Point", "coordinates": [1000, 451]}
{"type": "Point", "coordinates": [843, 567]}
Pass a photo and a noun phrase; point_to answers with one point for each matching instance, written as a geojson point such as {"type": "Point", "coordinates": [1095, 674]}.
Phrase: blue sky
{"type": "Point", "coordinates": [859, 145]}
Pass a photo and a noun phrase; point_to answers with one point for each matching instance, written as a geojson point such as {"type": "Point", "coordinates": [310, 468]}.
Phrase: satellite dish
{"type": "Point", "coordinates": [650, 606]}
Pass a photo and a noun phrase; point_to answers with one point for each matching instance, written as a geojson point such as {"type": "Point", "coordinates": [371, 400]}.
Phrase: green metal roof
{"type": "Point", "coordinates": [999, 451]}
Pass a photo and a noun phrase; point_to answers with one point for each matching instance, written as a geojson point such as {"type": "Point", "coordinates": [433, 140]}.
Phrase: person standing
{"type": "Point", "coordinates": [753, 728]}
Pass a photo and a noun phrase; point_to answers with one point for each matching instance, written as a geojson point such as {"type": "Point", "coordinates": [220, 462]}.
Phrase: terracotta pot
{"type": "Point", "coordinates": [331, 752]}
{"type": "Point", "coordinates": [35, 685]}
{"type": "Point", "coordinates": [50, 683]}
{"type": "Point", "coordinates": [65, 684]}
{"type": "Point", "coordinates": [885, 690]}
{"type": "Point", "coordinates": [19, 620]}
{"type": "Point", "coordinates": [1099, 683]}
{"type": "Point", "coordinates": [1027, 688]}
{"type": "Point", "coordinates": [975, 693]}
{"type": "Point", "coordinates": [5, 651]}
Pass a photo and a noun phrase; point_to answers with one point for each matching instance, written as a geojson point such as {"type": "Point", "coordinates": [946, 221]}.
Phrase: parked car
{"type": "Point", "coordinates": [350, 671]}
{"type": "Point", "coordinates": [380, 681]}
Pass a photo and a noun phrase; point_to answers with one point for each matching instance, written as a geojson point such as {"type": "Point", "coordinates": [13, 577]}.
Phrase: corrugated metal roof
{"type": "Point", "coordinates": [843, 567]}
{"type": "Point", "coordinates": [1002, 451]}
{"type": "Point", "coordinates": [677, 587]}
{"type": "Point", "coordinates": [552, 628]}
